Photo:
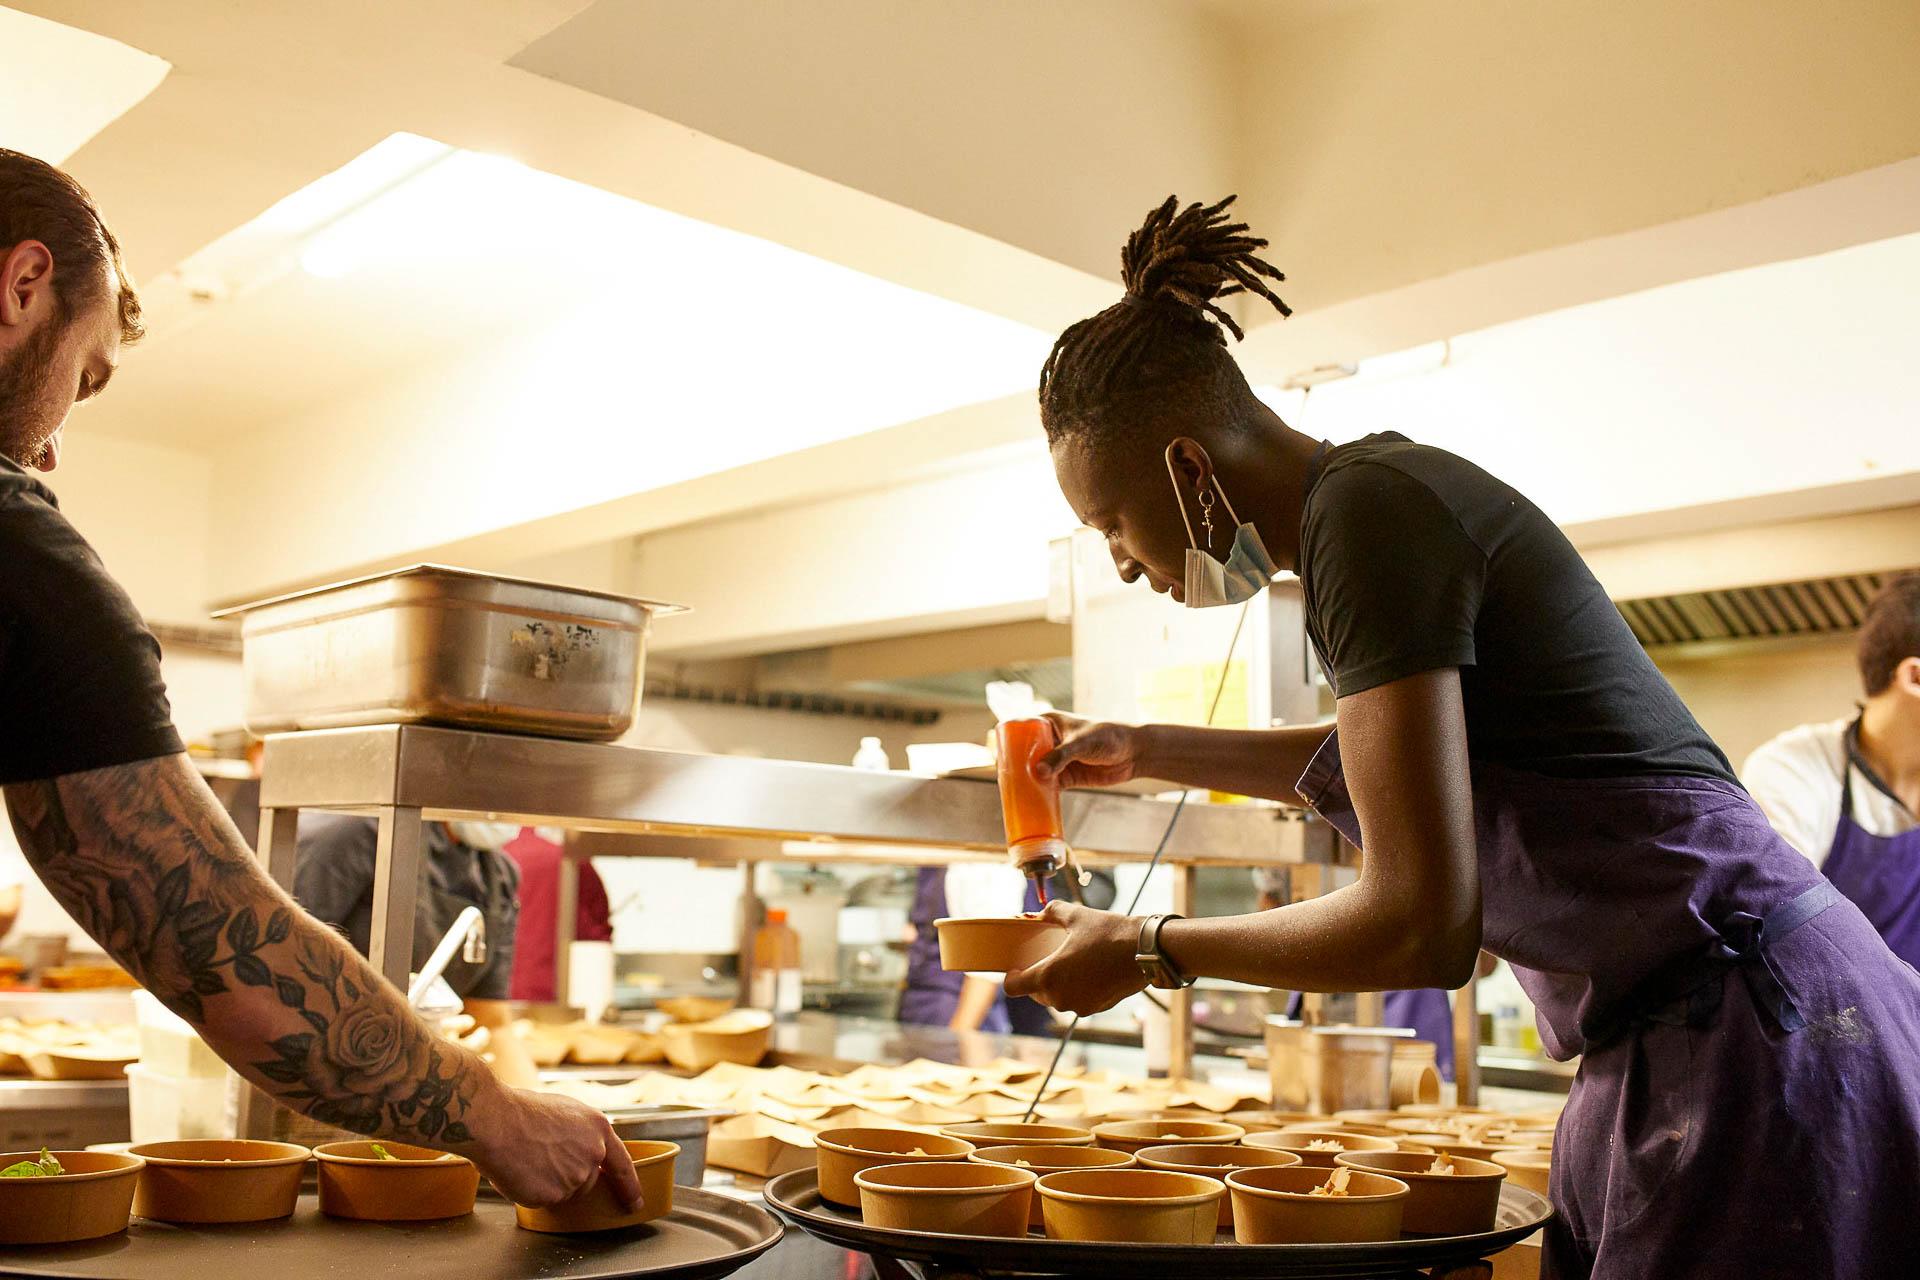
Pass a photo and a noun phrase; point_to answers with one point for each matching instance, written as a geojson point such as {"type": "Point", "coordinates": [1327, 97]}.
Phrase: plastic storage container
{"type": "Point", "coordinates": [162, 1107]}
{"type": "Point", "coordinates": [169, 1045]}
{"type": "Point", "coordinates": [776, 966]}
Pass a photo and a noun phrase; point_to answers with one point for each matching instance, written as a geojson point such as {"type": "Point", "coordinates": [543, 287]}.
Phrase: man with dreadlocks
{"type": "Point", "coordinates": [1521, 778]}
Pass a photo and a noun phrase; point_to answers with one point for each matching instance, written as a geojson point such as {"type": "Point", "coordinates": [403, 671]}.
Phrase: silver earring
{"type": "Point", "coordinates": [1206, 515]}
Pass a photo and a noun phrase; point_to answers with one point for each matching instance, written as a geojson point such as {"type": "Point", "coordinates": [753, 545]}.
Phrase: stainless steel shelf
{"type": "Point", "coordinates": [610, 789]}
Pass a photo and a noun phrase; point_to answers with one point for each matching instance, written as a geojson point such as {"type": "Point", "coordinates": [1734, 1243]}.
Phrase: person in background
{"type": "Point", "coordinates": [1847, 792]}
{"type": "Point", "coordinates": [463, 867]}
{"type": "Point", "coordinates": [538, 856]}
{"type": "Point", "coordinates": [118, 825]}
{"type": "Point", "coordinates": [975, 1001]}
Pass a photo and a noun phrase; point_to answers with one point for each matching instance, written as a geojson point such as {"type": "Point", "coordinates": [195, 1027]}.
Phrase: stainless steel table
{"type": "Point", "coordinates": [646, 802]}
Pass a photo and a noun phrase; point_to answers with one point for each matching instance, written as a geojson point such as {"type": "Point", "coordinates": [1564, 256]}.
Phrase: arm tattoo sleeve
{"type": "Point", "coordinates": [142, 856]}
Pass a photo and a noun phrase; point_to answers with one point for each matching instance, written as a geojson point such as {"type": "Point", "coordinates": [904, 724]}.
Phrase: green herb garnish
{"type": "Point", "coordinates": [381, 1153]}
{"type": "Point", "coordinates": [45, 1167]}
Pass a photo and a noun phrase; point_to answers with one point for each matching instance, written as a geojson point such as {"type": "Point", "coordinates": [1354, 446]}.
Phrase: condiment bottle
{"type": "Point", "coordinates": [776, 966]}
{"type": "Point", "coordinates": [1029, 806]}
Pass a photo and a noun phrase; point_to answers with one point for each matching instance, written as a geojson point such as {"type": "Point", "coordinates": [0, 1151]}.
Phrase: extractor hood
{"type": "Point", "coordinates": [1809, 607]}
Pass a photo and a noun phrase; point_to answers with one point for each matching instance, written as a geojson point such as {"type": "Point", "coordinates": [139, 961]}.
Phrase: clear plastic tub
{"type": "Point", "coordinates": [162, 1107]}
{"type": "Point", "coordinates": [170, 1046]}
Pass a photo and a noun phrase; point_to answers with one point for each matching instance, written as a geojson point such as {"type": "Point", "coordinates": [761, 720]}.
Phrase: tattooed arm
{"type": "Point", "coordinates": [143, 857]}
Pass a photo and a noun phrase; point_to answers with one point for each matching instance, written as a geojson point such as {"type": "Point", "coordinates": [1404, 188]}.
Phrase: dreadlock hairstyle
{"type": "Point", "coordinates": [1163, 346]}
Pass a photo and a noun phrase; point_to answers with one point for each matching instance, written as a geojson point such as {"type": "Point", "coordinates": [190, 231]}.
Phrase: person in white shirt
{"type": "Point", "coordinates": [1846, 793]}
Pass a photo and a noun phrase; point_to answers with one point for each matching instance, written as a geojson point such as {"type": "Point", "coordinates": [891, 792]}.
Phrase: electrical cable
{"type": "Point", "coordinates": [1173, 820]}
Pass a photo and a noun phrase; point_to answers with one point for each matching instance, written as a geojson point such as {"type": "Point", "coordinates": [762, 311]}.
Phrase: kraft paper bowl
{"type": "Point", "coordinates": [1215, 1162]}
{"type": "Point", "coordinates": [598, 1209]}
{"type": "Point", "coordinates": [1132, 1136]}
{"type": "Point", "coordinates": [961, 1199]}
{"type": "Point", "coordinates": [1464, 1202]}
{"type": "Point", "coordinates": [1131, 1206]}
{"type": "Point", "coordinates": [418, 1185]}
{"type": "Point", "coordinates": [1267, 1121]}
{"type": "Point", "coordinates": [205, 1180]}
{"type": "Point", "coordinates": [1273, 1206]}
{"type": "Point", "coordinates": [93, 1198]}
{"type": "Point", "coordinates": [1045, 1160]}
{"type": "Point", "coordinates": [997, 944]}
{"type": "Point", "coordinates": [1345, 1126]}
{"type": "Point", "coordinates": [1527, 1167]}
{"type": "Point", "coordinates": [996, 1133]}
{"type": "Point", "coordinates": [841, 1155]}
{"type": "Point", "coordinates": [1453, 1144]}
{"type": "Point", "coordinates": [741, 1037]}
{"type": "Point", "coordinates": [1300, 1142]}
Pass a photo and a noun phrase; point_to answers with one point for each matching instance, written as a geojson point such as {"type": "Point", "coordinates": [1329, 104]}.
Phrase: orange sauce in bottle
{"type": "Point", "coordinates": [1029, 807]}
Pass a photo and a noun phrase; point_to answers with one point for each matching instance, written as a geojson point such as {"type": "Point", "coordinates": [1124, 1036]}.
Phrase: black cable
{"type": "Point", "coordinates": [1172, 821]}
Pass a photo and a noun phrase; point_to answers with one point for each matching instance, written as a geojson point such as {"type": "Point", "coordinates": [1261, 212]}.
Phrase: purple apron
{"type": "Point", "coordinates": [1427, 1011]}
{"type": "Point", "coordinates": [933, 993]}
{"type": "Point", "coordinates": [1880, 874]}
{"type": "Point", "coordinates": [1748, 1100]}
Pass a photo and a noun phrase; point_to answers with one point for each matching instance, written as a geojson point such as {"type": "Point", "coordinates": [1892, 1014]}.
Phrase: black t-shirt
{"type": "Point", "coordinates": [1413, 560]}
{"type": "Point", "coordinates": [333, 879]}
{"type": "Point", "coordinates": [80, 684]}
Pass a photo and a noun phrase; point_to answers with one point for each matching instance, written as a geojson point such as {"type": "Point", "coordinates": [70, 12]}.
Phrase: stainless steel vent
{"type": "Point", "coordinates": [1813, 607]}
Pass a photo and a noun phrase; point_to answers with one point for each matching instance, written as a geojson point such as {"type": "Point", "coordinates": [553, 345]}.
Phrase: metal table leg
{"type": "Point", "coordinates": [279, 852]}
{"type": "Point", "coordinates": [396, 887]}
{"type": "Point", "coordinates": [1466, 1045]}
{"type": "Point", "coordinates": [567, 904]}
{"type": "Point", "coordinates": [1180, 1003]}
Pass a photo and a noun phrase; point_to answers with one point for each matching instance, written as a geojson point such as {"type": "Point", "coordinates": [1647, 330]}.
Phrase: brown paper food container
{"type": "Point", "coordinates": [960, 1199]}
{"type": "Point", "coordinates": [206, 1180]}
{"type": "Point", "coordinates": [1215, 1162]}
{"type": "Point", "coordinates": [1009, 1133]}
{"type": "Point", "coordinates": [1464, 1202]}
{"type": "Point", "coordinates": [1133, 1135]}
{"type": "Point", "coordinates": [740, 1037]}
{"type": "Point", "coordinates": [1300, 1142]}
{"type": "Point", "coordinates": [1131, 1206]}
{"type": "Point", "coordinates": [416, 1186]}
{"type": "Point", "coordinates": [598, 1209]}
{"type": "Point", "coordinates": [842, 1154]}
{"type": "Point", "coordinates": [1043, 1160]}
{"type": "Point", "coordinates": [1272, 1206]}
{"type": "Point", "coordinates": [93, 1198]}
{"type": "Point", "coordinates": [1527, 1167]}
{"type": "Point", "coordinates": [762, 1148]}
{"type": "Point", "coordinates": [997, 944]}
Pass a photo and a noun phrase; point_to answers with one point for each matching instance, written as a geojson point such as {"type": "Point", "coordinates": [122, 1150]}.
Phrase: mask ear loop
{"type": "Point", "coordinates": [1226, 502]}
{"type": "Point", "coordinates": [1181, 498]}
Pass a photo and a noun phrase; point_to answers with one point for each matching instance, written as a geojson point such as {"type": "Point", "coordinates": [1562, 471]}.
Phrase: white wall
{"type": "Point", "coordinates": [1745, 694]}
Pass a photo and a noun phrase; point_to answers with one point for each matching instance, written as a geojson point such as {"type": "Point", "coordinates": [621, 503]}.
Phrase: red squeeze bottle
{"type": "Point", "coordinates": [1030, 807]}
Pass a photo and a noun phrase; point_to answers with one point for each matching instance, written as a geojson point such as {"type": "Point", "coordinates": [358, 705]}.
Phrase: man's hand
{"type": "Point", "coordinates": [1094, 968]}
{"type": "Point", "coordinates": [1090, 755]}
{"type": "Point", "coordinates": [540, 1149]}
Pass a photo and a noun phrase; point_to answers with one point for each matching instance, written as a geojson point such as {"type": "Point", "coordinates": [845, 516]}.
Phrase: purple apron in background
{"type": "Point", "coordinates": [1880, 874]}
{"type": "Point", "coordinates": [1428, 1012]}
{"type": "Point", "coordinates": [933, 993]}
{"type": "Point", "coordinates": [1748, 1100]}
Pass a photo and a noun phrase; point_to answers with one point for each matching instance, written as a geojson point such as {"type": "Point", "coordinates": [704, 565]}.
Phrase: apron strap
{"type": "Point", "coordinates": [1690, 990]}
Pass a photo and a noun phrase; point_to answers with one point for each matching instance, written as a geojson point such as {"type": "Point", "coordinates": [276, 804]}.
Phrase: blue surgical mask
{"type": "Point", "coordinates": [1211, 581]}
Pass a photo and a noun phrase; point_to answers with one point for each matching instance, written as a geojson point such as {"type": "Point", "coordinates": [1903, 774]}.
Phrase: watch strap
{"type": "Point", "coordinates": [1160, 971]}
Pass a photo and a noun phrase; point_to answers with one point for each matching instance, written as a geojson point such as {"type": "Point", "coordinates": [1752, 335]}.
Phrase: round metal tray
{"type": "Point", "coordinates": [796, 1197]}
{"type": "Point", "coordinates": [705, 1237]}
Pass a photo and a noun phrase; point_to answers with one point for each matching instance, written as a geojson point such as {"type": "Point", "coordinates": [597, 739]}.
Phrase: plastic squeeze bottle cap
{"type": "Point", "coordinates": [776, 915]}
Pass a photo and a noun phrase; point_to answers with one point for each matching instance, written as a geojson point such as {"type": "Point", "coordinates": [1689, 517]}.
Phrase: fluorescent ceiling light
{"type": "Point", "coordinates": [59, 85]}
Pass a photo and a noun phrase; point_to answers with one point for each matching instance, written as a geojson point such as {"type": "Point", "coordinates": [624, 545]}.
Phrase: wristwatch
{"type": "Point", "coordinates": [1161, 972]}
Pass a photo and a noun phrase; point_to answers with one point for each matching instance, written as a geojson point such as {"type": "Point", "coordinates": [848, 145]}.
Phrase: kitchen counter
{"type": "Point", "coordinates": [68, 1114]}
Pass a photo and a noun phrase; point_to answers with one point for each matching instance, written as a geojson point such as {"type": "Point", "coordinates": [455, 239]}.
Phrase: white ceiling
{"type": "Point", "coordinates": [59, 86]}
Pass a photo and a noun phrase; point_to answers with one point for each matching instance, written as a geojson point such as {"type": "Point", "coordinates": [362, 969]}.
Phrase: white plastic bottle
{"type": "Point", "coordinates": [872, 756]}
